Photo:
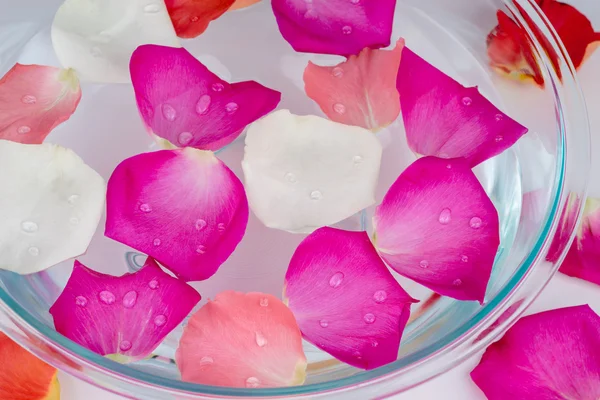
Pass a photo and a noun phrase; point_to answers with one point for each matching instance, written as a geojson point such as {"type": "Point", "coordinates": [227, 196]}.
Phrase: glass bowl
{"type": "Point", "coordinates": [531, 185]}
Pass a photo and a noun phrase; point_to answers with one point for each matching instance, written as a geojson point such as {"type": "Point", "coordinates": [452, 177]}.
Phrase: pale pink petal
{"type": "Point", "coordinates": [34, 99]}
{"type": "Point", "coordinates": [360, 91]}
{"type": "Point", "coordinates": [437, 226]}
{"type": "Point", "coordinates": [183, 207]}
{"type": "Point", "coordinates": [341, 27]}
{"type": "Point", "coordinates": [445, 119]}
{"type": "Point", "coordinates": [242, 340]}
{"type": "Point", "coordinates": [548, 356]}
{"type": "Point", "coordinates": [125, 317]}
{"type": "Point", "coordinates": [345, 299]}
{"type": "Point", "coordinates": [181, 101]}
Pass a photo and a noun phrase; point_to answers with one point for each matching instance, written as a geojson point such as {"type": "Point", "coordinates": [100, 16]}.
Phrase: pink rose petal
{"type": "Point", "coordinates": [341, 27]}
{"type": "Point", "coordinates": [242, 340]}
{"type": "Point", "coordinates": [181, 101]}
{"type": "Point", "coordinates": [445, 119]}
{"type": "Point", "coordinates": [345, 299]}
{"type": "Point", "coordinates": [125, 317]}
{"type": "Point", "coordinates": [34, 99]}
{"type": "Point", "coordinates": [437, 226]}
{"type": "Point", "coordinates": [360, 91]}
{"type": "Point", "coordinates": [183, 207]}
{"type": "Point", "coordinates": [548, 356]}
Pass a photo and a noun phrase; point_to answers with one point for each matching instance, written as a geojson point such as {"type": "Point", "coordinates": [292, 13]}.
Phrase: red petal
{"type": "Point", "coordinates": [437, 226]}
{"type": "Point", "coordinates": [345, 299]}
{"type": "Point", "coordinates": [548, 356]}
{"type": "Point", "coordinates": [34, 99]}
{"type": "Point", "coordinates": [360, 91]}
{"type": "Point", "coordinates": [191, 17]}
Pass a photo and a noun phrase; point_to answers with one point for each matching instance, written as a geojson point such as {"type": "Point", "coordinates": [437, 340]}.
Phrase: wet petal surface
{"type": "Point", "coordinates": [191, 17]}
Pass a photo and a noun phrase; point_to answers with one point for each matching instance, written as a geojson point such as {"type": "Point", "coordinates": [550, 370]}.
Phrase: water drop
{"type": "Point", "coordinates": [464, 259]}
{"type": "Point", "coordinates": [160, 320]}
{"type": "Point", "coordinates": [73, 199]}
{"type": "Point", "coordinates": [475, 223]}
{"type": "Point", "coordinates": [499, 138]}
{"type": "Point", "coordinates": [369, 318]}
{"type": "Point", "coordinates": [380, 296]}
{"type": "Point", "coordinates": [457, 282]}
{"type": "Point", "coordinates": [252, 382]}
{"type": "Point", "coordinates": [23, 130]}
{"type": "Point", "coordinates": [264, 302]}
{"type": "Point", "coordinates": [194, 18]}
{"type": "Point", "coordinates": [106, 297]}
{"type": "Point", "coordinates": [81, 301]}
{"type": "Point", "coordinates": [374, 343]}
{"type": "Point", "coordinates": [200, 224]}
{"type": "Point", "coordinates": [156, 242]}
{"type": "Point", "coordinates": [261, 341]}
{"type": "Point", "coordinates": [424, 264]}
{"type": "Point", "coordinates": [217, 87]}
{"type": "Point", "coordinates": [34, 251]}
{"type": "Point", "coordinates": [357, 159]}
{"type": "Point", "coordinates": [130, 299]}
{"type": "Point", "coordinates": [339, 108]}
{"type": "Point", "coordinates": [467, 101]}
{"type": "Point", "coordinates": [324, 323]}
{"type": "Point", "coordinates": [445, 216]}
{"type": "Point", "coordinates": [231, 107]}
{"type": "Point", "coordinates": [357, 354]}
{"type": "Point", "coordinates": [145, 208]}
{"type": "Point", "coordinates": [153, 284]}
{"type": "Point", "coordinates": [95, 51]}
{"type": "Point", "coordinates": [125, 345]}
{"type": "Point", "coordinates": [206, 360]}
{"type": "Point", "coordinates": [346, 30]}
{"type": "Point", "coordinates": [203, 104]}
{"type": "Point", "coordinates": [221, 227]}
{"type": "Point", "coordinates": [152, 8]}
{"type": "Point", "coordinates": [169, 112]}
{"type": "Point", "coordinates": [336, 280]}
{"type": "Point", "coordinates": [29, 226]}
{"type": "Point", "coordinates": [449, 166]}
{"type": "Point", "coordinates": [28, 99]}
{"type": "Point", "coordinates": [338, 72]}
{"type": "Point", "coordinates": [185, 138]}
{"type": "Point", "coordinates": [316, 195]}
{"type": "Point", "coordinates": [499, 117]}
{"type": "Point", "coordinates": [291, 178]}
{"type": "Point", "coordinates": [74, 220]}
{"type": "Point", "coordinates": [201, 249]}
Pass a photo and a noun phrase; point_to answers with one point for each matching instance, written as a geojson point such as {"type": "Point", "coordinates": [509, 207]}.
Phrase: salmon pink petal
{"type": "Point", "coordinates": [123, 317]}
{"type": "Point", "coordinates": [191, 17]}
{"type": "Point", "coordinates": [335, 26]}
{"type": "Point", "coordinates": [242, 4]}
{"type": "Point", "coordinates": [181, 101]}
{"type": "Point", "coordinates": [242, 340]}
{"type": "Point", "coordinates": [23, 376]}
{"type": "Point", "coordinates": [306, 172]}
{"type": "Point", "coordinates": [360, 91]}
{"type": "Point", "coordinates": [50, 206]}
{"type": "Point", "coordinates": [345, 299]}
{"type": "Point", "coordinates": [437, 226]}
{"type": "Point", "coordinates": [445, 119]}
{"type": "Point", "coordinates": [183, 207]}
{"type": "Point", "coordinates": [552, 355]}
{"type": "Point", "coordinates": [34, 99]}
{"type": "Point", "coordinates": [97, 37]}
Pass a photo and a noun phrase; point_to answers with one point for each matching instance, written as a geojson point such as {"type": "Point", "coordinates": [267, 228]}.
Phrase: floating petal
{"type": "Point", "coordinates": [242, 4]}
{"type": "Point", "coordinates": [192, 17]}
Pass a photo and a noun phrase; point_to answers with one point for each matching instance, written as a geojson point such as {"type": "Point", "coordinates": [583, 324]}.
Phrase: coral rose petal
{"type": "Point", "coordinates": [444, 119]}
{"type": "Point", "coordinates": [242, 340]}
{"type": "Point", "coordinates": [50, 207]}
{"type": "Point", "coordinates": [123, 317]}
{"type": "Point", "coordinates": [335, 26]}
{"type": "Point", "coordinates": [34, 99]}
{"type": "Point", "coordinates": [183, 207]}
{"type": "Point", "coordinates": [306, 172]}
{"type": "Point", "coordinates": [437, 226]}
{"type": "Point", "coordinates": [97, 37]}
{"type": "Point", "coordinates": [23, 376]}
{"type": "Point", "coordinates": [552, 355]}
{"type": "Point", "coordinates": [360, 91]}
{"type": "Point", "coordinates": [181, 101]}
{"type": "Point", "coordinates": [192, 17]}
{"type": "Point", "coordinates": [345, 299]}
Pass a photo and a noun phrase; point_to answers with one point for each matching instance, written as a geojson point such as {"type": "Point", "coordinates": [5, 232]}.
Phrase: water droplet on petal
{"type": "Point", "coordinates": [467, 101]}
{"type": "Point", "coordinates": [152, 8]}
{"type": "Point", "coordinates": [153, 284]}
{"type": "Point", "coordinates": [185, 138]}
{"type": "Point", "coordinates": [107, 297]}
{"type": "Point", "coordinates": [369, 318]}
{"type": "Point", "coordinates": [499, 138]}
{"type": "Point", "coordinates": [203, 104]}
{"type": "Point", "coordinates": [169, 112]}
{"type": "Point", "coordinates": [130, 299]}
{"type": "Point", "coordinates": [346, 30]}
{"type": "Point", "coordinates": [231, 108]}
{"type": "Point", "coordinates": [357, 354]}
{"type": "Point", "coordinates": [457, 282]}
{"type": "Point", "coordinates": [145, 208]}
{"type": "Point", "coordinates": [336, 280]}
{"type": "Point", "coordinates": [194, 18]}
{"type": "Point", "coordinates": [206, 360]}
{"type": "Point", "coordinates": [424, 264]}
{"type": "Point", "coordinates": [74, 220]}
{"type": "Point", "coordinates": [445, 216]}
{"type": "Point", "coordinates": [475, 223]}
{"type": "Point", "coordinates": [160, 320]}
{"type": "Point", "coordinates": [338, 72]}
{"type": "Point", "coordinates": [73, 199]}
{"type": "Point", "coordinates": [23, 130]}
{"type": "Point", "coordinates": [252, 382]}
{"type": "Point", "coordinates": [374, 343]}
{"type": "Point", "coordinates": [499, 117]}
{"type": "Point", "coordinates": [357, 160]}
{"type": "Point", "coordinates": [221, 227]}
{"type": "Point", "coordinates": [464, 259]}
{"type": "Point", "coordinates": [125, 345]}
{"type": "Point", "coordinates": [449, 166]}
{"type": "Point", "coordinates": [261, 341]}
{"type": "Point", "coordinates": [34, 251]}
{"type": "Point", "coordinates": [324, 323]}
{"type": "Point", "coordinates": [200, 224]}
{"type": "Point", "coordinates": [339, 108]}
{"type": "Point", "coordinates": [218, 87]}
{"type": "Point", "coordinates": [291, 178]}
{"type": "Point", "coordinates": [81, 301]}
{"type": "Point", "coordinates": [316, 195]}
{"type": "Point", "coordinates": [264, 302]}
{"type": "Point", "coordinates": [156, 242]}
{"type": "Point", "coordinates": [380, 296]}
{"type": "Point", "coordinates": [201, 249]}
{"type": "Point", "coordinates": [29, 226]}
{"type": "Point", "coordinates": [28, 99]}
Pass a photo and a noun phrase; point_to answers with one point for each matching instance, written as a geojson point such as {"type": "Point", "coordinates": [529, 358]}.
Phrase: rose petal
{"type": "Point", "coordinates": [345, 300]}
{"type": "Point", "coordinates": [125, 317]}
{"type": "Point", "coordinates": [97, 37]}
{"type": "Point", "coordinates": [183, 102]}
{"type": "Point", "coordinates": [50, 208]}
{"type": "Point", "coordinates": [360, 91]}
{"type": "Point", "coordinates": [551, 355]}
{"type": "Point", "coordinates": [445, 119]}
{"type": "Point", "coordinates": [335, 26]}
{"type": "Point", "coordinates": [191, 17]}
{"type": "Point", "coordinates": [35, 99]}
{"type": "Point", "coordinates": [583, 259]}
{"type": "Point", "coordinates": [24, 376]}
{"type": "Point", "coordinates": [242, 340]}
{"type": "Point", "coordinates": [306, 172]}
{"type": "Point", "coordinates": [242, 4]}
{"type": "Point", "coordinates": [437, 226]}
{"type": "Point", "coordinates": [184, 208]}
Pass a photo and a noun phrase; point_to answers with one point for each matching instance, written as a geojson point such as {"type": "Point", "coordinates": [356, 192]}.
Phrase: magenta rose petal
{"type": "Point", "coordinates": [442, 118]}
{"type": "Point", "coordinates": [345, 300]}
{"type": "Point", "coordinates": [437, 226]}
{"type": "Point", "coordinates": [550, 355]}
{"type": "Point", "coordinates": [182, 207]}
{"type": "Point", "coordinates": [181, 101]}
{"type": "Point", "coordinates": [123, 317]}
{"type": "Point", "coordinates": [342, 27]}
